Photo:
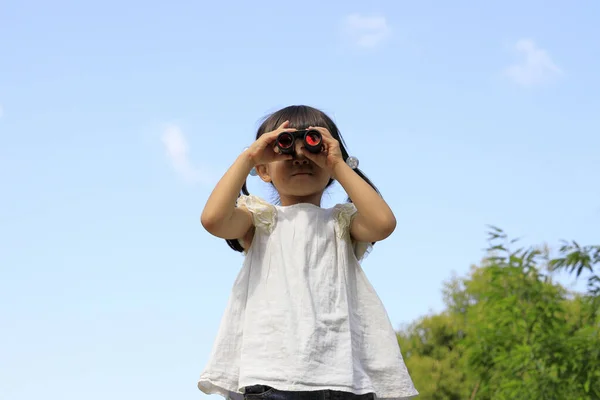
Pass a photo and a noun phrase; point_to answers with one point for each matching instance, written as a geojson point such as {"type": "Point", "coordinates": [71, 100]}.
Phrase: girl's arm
{"type": "Point", "coordinates": [374, 220]}
{"type": "Point", "coordinates": [220, 216]}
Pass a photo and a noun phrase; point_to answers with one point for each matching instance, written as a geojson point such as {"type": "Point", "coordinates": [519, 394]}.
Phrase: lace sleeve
{"type": "Point", "coordinates": [263, 213]}
{"type": "Point", "coordinates": [344, 215]}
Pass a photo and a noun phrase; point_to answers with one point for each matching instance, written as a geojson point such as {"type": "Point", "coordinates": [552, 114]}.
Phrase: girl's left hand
{"type": "Point", "coordinates": [330, 155]}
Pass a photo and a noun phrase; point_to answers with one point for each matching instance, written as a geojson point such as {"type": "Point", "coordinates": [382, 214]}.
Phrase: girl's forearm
{"type": "Point", "coordinates": [369, 204]}
{"type": "Point", "coordinates": [220, 205]}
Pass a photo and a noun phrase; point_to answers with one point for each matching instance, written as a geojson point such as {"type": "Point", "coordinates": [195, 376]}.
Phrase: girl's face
{"type": "Point", "coordinates": [297, 180]}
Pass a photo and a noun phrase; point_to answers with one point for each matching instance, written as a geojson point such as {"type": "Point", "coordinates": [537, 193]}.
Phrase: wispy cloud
{"type": "Point", "coordinates": [1, 111]}
{"type": "Point", "coordinates": [536, 66]}
{"type": "Point", "coordinates": [177, 151]}
{"type": "Point", "coordinates": [366, 31]}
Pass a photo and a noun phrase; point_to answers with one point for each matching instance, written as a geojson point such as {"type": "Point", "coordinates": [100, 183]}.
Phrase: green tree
{"type": "Point", "coordinates": [509, 331]}
{"type": "Point", "coordinates": [434, 352]}
{"type": "Point", "coordinates": [577, 259]}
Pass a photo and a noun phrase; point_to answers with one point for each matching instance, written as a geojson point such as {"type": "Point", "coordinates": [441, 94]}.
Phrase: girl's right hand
{"type": "Point", "coordinates": [262, 151]}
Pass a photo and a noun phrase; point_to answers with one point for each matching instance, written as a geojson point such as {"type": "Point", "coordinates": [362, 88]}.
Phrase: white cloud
{"type": "Point", "coordinates": [177, 151]}
{"type": "Point", "coordinates": [366, 31]}
{"type": "Point", "coordinates": [536, 66]}
{"type": "Point", "coordinates": [1, 111]}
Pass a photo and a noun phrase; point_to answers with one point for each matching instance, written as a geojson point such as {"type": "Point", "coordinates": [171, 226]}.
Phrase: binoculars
{"type": "Point", "coordinates": [312, 141]}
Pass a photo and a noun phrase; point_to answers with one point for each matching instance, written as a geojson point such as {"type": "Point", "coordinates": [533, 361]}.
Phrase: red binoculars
{"type": "Point", "coordinates": [312, 141]}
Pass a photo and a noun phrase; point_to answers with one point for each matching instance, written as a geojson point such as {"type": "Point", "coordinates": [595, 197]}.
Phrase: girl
{"type": "Point", "coordinates": [302, 322]}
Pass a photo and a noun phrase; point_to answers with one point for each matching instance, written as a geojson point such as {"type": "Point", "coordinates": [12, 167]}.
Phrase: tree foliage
{"type": "Point", "coordinates": [509, 331]}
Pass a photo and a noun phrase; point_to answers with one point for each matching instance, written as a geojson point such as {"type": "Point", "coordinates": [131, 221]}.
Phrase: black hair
{"type": "Point", "coordinates": [300, 117]}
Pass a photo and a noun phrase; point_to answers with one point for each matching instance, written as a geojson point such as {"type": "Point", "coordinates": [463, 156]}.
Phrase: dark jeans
{"type": "Point", "coordinates": [261, 392]}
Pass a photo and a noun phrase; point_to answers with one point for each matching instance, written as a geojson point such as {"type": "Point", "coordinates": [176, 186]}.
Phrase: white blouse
{"type": "Point", "coordinates": [302, 315]}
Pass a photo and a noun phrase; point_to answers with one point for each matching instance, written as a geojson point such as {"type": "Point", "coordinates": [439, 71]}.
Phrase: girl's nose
{"type": "Point", "coordinates": [299, 158]}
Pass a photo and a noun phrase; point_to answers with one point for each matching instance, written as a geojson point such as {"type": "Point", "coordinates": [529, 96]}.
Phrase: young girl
{"type": "Point", "coordinates": [302, 322]}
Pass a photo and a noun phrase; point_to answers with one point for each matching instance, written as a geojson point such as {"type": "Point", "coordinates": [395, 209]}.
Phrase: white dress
{"type": "Point", "coordinates": [302, 315]}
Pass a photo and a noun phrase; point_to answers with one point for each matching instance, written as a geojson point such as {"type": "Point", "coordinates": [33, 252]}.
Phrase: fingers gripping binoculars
{"type": "Point", "coordinates": [312, 140]}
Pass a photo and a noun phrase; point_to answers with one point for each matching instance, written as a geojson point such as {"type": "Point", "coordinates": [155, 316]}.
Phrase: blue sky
{"type": "Point", "coordinates": [116, 119]}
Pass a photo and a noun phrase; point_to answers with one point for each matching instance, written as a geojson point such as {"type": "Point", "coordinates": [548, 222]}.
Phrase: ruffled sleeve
{"type": "Point", "coordinates": [344, 213]}
{"type": "Point", "coordinates": [263, 213]}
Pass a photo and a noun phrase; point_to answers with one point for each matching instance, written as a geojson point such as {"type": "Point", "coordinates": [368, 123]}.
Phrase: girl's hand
{"type": "Point", "coordinates": [262, 150]}
{"type": "Point", "coordinates": [331, 154]}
